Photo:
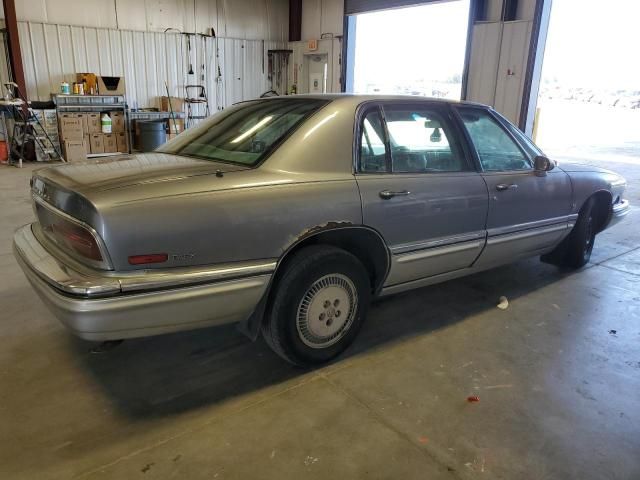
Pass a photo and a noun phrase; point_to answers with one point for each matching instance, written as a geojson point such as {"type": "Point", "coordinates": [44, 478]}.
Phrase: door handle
{"type": "Point", "coordinates": [501, 187]}
{"type": "Point", "coordinates": [388, 194]}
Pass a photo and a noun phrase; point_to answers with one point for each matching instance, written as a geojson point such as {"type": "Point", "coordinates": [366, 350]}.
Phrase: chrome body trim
{"type": "Point", "coordinates": [436, 251]}
{"type": "Point", "coordinates": [110, 314]}
{"type": "Point", "coordinates": [106, 263]}
{"type": "Point", "coordinates": [533, 232]}
{"type": "Point", "coordinates": [411, 247]}
{"type": "Point", "coordinates": [492, 232]}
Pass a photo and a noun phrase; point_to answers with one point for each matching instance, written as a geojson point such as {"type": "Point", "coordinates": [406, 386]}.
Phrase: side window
{"type": "Point", "coordinates": [422, 141]}
{"type": "Point", "coordinates": [496, 149]}
{"type": "Point", "coordinates": [531, 148]}
{"type": "Point", "coordinates": [373, 152]}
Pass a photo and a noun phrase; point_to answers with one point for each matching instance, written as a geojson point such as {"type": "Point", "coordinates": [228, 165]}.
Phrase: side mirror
{"type": "Point", "coordinates": [541, 165]}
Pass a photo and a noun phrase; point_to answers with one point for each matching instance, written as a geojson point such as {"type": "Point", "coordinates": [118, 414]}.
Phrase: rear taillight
{"type": "Point", "coordinates": [75, 238]}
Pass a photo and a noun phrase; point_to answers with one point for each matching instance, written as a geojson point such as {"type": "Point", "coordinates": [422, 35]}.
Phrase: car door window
{"type": "Point", "coordinates": [422, 140]}
{"type": "Point", "coordinates": [497, 150]}
{"type": "Point", "coordinates": [373, 151]}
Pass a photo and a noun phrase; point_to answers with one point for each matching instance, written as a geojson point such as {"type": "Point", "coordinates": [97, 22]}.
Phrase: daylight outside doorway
{"type": "Point", "coordinates": [413, 50]}
{"type": "Point", "coordinates": [589, 99]}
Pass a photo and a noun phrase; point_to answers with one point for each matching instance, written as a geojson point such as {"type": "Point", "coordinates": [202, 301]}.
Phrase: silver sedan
{"type": "Point", "coordinates": [287, 215]}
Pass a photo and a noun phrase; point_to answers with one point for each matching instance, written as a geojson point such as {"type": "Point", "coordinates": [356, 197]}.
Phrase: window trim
{"type": "Point", "coordinates": [500, 124]}
{"type": "Point", "coordinates": [442, 108]}
{"type": "Point", "coordinates": [508, 125]}
{"type": "Point", "coordinates": [363, 110]}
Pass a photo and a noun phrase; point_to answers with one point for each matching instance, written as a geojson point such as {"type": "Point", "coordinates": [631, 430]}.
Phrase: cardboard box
{"type": "Point", "coordinates": [117, 121]}
{"type": "Point", "coordinates": [83, 117]}
{"type": "Point", "coordinates": [70, 127]}
{"type": "Point", "coordinates": [90, 80]}
{"type": "Point", "coordinates": [122, 143]}
{"type": "Point", "coordinates": [96, 143]}
{"type": "Point", "coordinates": [111, 85]}
{"type": "Point", "coordinates": [175, 127]}
{"type": "Point", "coordinates": [75, 151]}
{"type": "Point", "coordinates": [177, 104]}
{"type": "Point", "coordinates": [110, 142]}
{"type": "Point", "coordinates": [93, 123]}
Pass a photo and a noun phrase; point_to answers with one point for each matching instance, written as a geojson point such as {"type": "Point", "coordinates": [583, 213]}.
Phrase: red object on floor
{"type": "Point", "coordinates": [473, 398]}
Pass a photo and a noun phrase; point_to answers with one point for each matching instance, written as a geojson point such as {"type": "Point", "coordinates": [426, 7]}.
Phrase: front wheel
{"type": "Point", "coordinates": [318, 306]}
{"type": "Point", "coordinates": [575, 250]}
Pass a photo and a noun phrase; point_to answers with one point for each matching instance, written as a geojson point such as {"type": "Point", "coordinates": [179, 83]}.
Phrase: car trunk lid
{"type": "Point", "coordinates": [113, 173]}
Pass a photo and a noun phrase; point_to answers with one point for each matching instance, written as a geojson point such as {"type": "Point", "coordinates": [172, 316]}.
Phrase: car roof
{"type": "Point", "coordinates": [357, 99]}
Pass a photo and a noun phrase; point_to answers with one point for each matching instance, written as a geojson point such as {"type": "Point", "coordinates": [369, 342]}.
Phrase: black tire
{"type": "Point", "coordinates": [575, 250]}
{"type": "Point", "coordinates": [287, 328]}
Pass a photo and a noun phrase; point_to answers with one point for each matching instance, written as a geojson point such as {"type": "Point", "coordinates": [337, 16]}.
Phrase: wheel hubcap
{"type": "Point", "coordinates": [326, 311]}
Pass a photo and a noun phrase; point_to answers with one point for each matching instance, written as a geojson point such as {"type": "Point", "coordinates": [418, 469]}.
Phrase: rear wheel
{"type": "Point", "coordinates": [318, 306]}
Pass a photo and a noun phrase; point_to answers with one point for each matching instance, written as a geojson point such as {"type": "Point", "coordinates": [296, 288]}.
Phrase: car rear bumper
{"type": "Point", "coordinates": [97, 306]}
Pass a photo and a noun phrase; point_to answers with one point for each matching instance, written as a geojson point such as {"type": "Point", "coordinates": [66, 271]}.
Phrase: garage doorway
{"type": "Point", "coordinates": [589, 99]}
{"type": "Point", "coordinates": [417, 50]}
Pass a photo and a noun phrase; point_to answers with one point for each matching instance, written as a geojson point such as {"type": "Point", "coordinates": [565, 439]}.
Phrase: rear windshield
{"type": "Point", "coordinates": [244, 134]}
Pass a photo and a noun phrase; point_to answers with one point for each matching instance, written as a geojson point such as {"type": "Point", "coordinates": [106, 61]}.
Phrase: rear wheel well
{"type": "Point", "coordinates": [601, 204]}
{"type": "Point", "coordinates": [363, 243]}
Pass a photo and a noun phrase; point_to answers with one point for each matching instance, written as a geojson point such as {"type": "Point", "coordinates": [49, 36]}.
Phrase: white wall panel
{"type": "Point", "coordinates": [511, 70]}
{"type": "Point", "coordinates": [232, 70]}
{"type": "Point", "coordinates": [331, 16]}
{"type": "Point", "coordinates": [132, 15]}
{"type": "Point", "coordinates": [311, 19]}
{"type": "Point", "coordinates": [79, 49]}
{"type": "Point", "coordinates": [93, 50]}
{"type": "Point", "coordinates": [246, 19]}
{"type": "Point", "coordinates": [28, 61]}
{"type": "Point", "coordinates": [54, 53]}
{"type": "Point", "coordinates": [483, 65]}
{"type": "Point", "coordinates": [54, 60]}
{"type": "Point", "coordinates": [65, 50]}
{"type": "Point", "coordinates": [94, 13]}
{"type": "Point", "coordinates": [31, 10]}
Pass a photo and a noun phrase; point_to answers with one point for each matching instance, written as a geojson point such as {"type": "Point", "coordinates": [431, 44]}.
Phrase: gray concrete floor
{"type": "Point", "coordinates": [559, 394]}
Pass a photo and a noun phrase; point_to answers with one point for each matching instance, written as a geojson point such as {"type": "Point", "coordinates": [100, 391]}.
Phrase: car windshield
{"type": "Point", "coordinates": [246, 133]}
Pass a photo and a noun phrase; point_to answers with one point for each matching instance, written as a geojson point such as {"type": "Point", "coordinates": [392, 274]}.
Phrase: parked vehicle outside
{"type": "Point", "coordinates": [287, 215]}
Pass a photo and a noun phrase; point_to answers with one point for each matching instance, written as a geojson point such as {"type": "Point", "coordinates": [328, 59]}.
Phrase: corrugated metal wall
{"type": "Point", "coordinates": [246, 19]}
{"type": "Point", "coordinates": [54, 53]}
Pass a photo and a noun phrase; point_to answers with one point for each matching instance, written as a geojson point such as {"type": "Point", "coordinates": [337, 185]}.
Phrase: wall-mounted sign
{"type": "Point", "coordinates": [312, 45]}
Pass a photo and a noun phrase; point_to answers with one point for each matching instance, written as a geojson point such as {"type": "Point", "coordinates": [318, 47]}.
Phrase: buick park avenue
{"type": "Point", "coordinates": [287, 215]}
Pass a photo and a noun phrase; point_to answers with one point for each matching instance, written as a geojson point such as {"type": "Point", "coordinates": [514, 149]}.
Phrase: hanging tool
{"type": "Point", "coordinates": [203, 70]}
{"type": "Point", "coordinates": [189, 52]}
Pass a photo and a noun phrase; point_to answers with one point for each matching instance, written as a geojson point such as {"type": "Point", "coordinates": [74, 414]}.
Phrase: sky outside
{"type": "Point", "coordinates": [594, 44]}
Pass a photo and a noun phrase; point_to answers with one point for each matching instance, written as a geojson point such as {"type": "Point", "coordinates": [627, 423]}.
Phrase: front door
{"type": "Point", "coordinates": [528, 213]}
{"type": "Point", "coordinates": [419, 189]}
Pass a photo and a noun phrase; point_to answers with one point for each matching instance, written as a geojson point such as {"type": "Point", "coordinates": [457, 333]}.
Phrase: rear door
{"type": "Point", "coordinates": [419, 188]}
{"type": "Point", "coordinates": [527, 213]}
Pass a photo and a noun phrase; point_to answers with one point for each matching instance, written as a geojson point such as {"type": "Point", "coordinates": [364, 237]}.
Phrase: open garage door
{"type": "Point", "coordinates": [417, 50]}
{"type": "Point", "coordinates": [589, 101]}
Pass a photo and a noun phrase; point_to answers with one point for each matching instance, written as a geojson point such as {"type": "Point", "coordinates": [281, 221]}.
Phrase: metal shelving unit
{"type": "Point", "coordinates": [93, 104]}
